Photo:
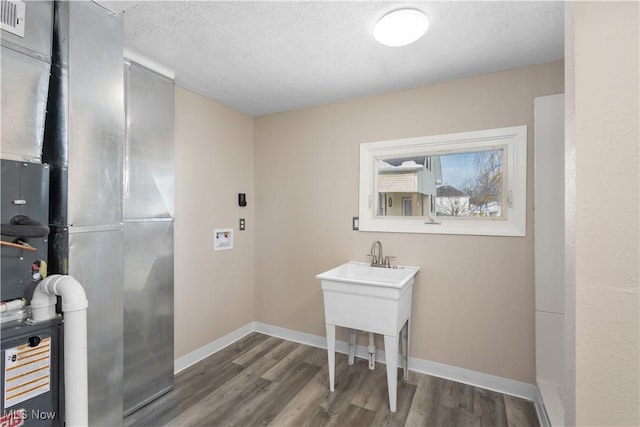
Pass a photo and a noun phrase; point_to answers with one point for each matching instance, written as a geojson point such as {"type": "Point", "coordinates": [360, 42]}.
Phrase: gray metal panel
{"type": "Point", "coordinates": [10, 190]}
{"type": "Point", "coordinates": [17, 334]}
{"type": "Point", "coordinates": [37, 33]}
{"type": "Point", "coordinates": [28, 182]}
{"type": "Point", "coordinates": [96, 115]}
{"type": "Point", "coordinates": [34, 189]}
{"type": "Point", "coordinates": [25, 84]}
{"type": "Point", "coordinates": [149, 190]}
{"type": "Point", "coordinates": [148, 311]}
{"type": "Point", "coordinates": [95, 260]}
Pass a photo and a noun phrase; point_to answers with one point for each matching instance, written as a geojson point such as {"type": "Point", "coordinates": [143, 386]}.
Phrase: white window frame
{"type": "Point", "coordinates": [512, 139]}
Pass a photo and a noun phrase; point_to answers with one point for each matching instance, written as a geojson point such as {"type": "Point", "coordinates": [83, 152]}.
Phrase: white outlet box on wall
{"type": "Point", "coordinates": [222, 239]}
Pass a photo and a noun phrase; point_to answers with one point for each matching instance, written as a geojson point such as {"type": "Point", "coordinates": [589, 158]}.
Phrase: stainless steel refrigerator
{"type": "Point", "coordinates": [148, 235]}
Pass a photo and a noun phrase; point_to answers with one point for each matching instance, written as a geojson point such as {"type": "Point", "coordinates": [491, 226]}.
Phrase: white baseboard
{"type": "Point", "coordinates": [453, 373]}
{"type": "Point", "coordinates": [207, 350]}
{"type": "Point", "coordinates": [290, 335]}
{"type": "Point", "coordinates": [474, 378]}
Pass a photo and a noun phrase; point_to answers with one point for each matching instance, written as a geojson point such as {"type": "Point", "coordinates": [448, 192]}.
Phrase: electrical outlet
{"type": "Point", "coordinates": [241, 225]}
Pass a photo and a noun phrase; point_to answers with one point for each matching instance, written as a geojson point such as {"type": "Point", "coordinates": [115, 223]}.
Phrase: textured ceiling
{"type": "Point", "coordinates": [265, 57]}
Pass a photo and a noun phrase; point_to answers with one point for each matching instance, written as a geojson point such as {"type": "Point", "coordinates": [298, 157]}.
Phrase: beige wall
{"type": "Point", "coordinates": [473, 300]}
{"type": "Point", "coordinates": [214, 162]}
{"type": "Point", "coordinates": [606, 113]}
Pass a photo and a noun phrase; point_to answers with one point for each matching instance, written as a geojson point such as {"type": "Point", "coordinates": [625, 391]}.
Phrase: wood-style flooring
{"type": "Point", "coordinates": [267, 381]}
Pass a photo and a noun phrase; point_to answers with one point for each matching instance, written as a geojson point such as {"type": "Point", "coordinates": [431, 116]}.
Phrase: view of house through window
{"type": "Point", "coordinates": [459, 184]}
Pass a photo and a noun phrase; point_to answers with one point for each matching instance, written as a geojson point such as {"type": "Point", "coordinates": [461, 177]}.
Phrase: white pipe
{"type": "Point", "coordinates": [372, 352]}
{"type": "Point", "coordinates": [74, 307]}
{"type": "Point", "coordinates": [14, 304]}
{"type": "Point", "coordinates": [43, 305]}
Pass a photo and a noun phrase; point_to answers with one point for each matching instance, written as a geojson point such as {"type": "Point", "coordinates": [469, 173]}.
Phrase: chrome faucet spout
{"type": "Point", "coordinates": [376, 253]}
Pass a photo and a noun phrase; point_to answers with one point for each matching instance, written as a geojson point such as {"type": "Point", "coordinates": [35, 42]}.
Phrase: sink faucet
{"type": "Point", "coordinates": [377, 257]}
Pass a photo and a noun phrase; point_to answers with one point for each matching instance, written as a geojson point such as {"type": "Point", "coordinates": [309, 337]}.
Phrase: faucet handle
{"type": "Point", "coordinates": [373, 258]}
{"type": "Point", "coordinates": [387, 261]}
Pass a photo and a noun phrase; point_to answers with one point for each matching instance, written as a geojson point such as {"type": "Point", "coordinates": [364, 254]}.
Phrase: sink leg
{"type": "Point", "coordinates": [331, 353]}
{"type": "Point", "coordinates": [391, 353]}
{"type": "Point", "coordinates": [372, 352]}
{"type": "Point", "coordinates": [405, 349]}
{"type": "Point", "coordinates": [351, 338]}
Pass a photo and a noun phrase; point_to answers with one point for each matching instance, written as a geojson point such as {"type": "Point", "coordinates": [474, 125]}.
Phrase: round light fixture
{"type": "Point", "coordinates": [401, 27]}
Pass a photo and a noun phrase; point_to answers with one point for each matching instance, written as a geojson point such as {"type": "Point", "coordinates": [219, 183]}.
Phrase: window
{"type": "Point", "coordinates": [471, 184]}
{"type": "Point", "coordinates": [465, 183]}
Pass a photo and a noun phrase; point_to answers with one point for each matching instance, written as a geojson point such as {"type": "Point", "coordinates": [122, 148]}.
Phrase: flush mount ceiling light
{"type": "Point", "coordinates": [401, 27]}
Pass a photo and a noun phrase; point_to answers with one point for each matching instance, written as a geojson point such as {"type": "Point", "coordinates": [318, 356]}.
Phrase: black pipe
{"type": "Point", "coordinates": [55, 149]}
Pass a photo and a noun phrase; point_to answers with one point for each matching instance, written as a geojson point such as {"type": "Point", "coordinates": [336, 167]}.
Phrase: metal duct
{"type": "Point", "coordinates": [148, 236]}
{"type": "Point", "coordinates": [25, 66]}
{"type": "Point", "coordinates": [84, 145]}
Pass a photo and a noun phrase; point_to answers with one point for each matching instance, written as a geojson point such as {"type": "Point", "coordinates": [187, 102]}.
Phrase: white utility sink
{"type": "Point", "coordinates": [358, 296]}
{"type": "Point", "coordinates": [362, 273]}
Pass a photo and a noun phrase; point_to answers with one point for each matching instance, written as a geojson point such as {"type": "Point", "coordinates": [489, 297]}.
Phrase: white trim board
{"type": "Point", "coordinates": [453, 373]}
{"type": "Point", "coordinates": [183, 362]}
{"type": "Point", "coordinates": [552, 402]}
